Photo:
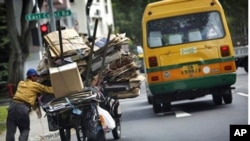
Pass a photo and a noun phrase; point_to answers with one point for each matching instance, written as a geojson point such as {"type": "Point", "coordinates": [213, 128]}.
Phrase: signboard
{"type": "Point", "coordinates": [38, 16]}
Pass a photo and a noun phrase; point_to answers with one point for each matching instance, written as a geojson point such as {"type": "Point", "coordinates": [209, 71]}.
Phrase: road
{"type": "Point", "coordinates": [191, 120]}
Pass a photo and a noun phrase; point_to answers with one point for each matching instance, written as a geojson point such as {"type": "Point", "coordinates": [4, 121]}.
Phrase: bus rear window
{"type": "Point", "coordinates": [184, 29]}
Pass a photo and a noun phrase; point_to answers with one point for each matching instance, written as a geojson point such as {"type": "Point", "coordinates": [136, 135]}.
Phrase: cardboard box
{"type": "Point", "coordinates": [66, 80]}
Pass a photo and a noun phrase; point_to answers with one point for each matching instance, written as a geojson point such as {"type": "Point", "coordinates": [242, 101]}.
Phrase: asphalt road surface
{"type": "Point", "coordinates": [190, 120]}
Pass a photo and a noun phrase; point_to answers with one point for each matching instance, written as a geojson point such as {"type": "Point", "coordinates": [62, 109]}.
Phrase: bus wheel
{"type": "Point", "coordinates": [157, 108]}
{"type": "Point", "coordinates": [217, 98]}
{"type": "Point", "coordinates": [167, 106]}
{"type": "Point", "coordinates": [149, 98]}
{"type": "Point", "coordinates": [245, 65]}
{"type": "Point", "coordinates": [227, 96]}
{"type": "Point", "coordinates": [156, 105]}
{"type": "Point", "coordinates": [149, 94]}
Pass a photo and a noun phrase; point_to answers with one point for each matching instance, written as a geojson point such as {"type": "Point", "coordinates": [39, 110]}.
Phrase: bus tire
{"type": "Point", "coordinates": [167, 106]}
{"type": "Point", "coordinates": [156, 105]}
{"type": "Point", "coordinates": [245, 65]}
{"type": "Point", "coordinates": [227, 96]}
{"type": "Point", "coordinates": [217, 98]}
{"type": "Point", "coordinates": [149, 98]}
{"type": "Point", "coordinates": [149, 94]}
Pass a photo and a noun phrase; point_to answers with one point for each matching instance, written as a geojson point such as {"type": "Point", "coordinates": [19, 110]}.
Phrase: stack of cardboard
{"type": "Point", "coordinates": [116, 65]}
{"type": "Point", "coordinates": [121, 78]}
{"type": "Point", "coordinates": [71, 41]}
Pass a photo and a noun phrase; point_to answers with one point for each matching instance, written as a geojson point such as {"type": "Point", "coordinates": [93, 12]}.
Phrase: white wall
{"type": "Point", "coordinates": [105, 19]}
{"type": "Point", "coordinates": [78, 9]}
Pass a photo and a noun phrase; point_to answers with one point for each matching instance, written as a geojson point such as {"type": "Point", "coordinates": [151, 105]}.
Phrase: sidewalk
{"type": "Point", "coordinates": [39, 130]}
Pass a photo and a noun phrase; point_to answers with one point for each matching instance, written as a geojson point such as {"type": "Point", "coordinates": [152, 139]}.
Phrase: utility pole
{"type": "Point", "coordinates": [87, 8]}
{"type": "Point", "coordinates": [39, 33]}
{"type": "Point", "coordinates": [52, 16]}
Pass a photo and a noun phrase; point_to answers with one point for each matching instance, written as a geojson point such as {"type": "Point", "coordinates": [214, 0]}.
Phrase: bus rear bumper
{"type": "Point", "coordinates": [192, 88]}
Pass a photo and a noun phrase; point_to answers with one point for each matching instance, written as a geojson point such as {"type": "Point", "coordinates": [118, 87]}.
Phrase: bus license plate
{"type": "Point", "coordinates": [190, 69]}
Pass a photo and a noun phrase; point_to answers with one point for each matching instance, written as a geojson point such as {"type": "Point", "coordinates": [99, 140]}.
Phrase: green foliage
{"type": "Point", "coordinates": [128, 16]}
{"type": "Point", "coordinates": [4, 71]}
{"type": "Point", "coordinates": [237, 17]}
{"type": "Point", "coordinates": [3, 116]}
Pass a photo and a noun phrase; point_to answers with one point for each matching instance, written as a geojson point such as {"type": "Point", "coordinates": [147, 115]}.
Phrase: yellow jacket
{"type": "Point", "coordinates": [28, 91]}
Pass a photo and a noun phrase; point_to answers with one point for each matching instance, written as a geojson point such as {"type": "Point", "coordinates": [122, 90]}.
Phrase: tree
{"type": "Point", "coordinates": [19, 31]}
{"type": "Point", "coordinates": [237, 18]}
{"type": "Point", "coordinates": [128, 16]}
{"type": "Point", "coordinates": [4, 44]}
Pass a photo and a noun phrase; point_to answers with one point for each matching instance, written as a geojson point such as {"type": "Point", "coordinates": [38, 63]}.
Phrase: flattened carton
{"type": "Point", "coordinates": [66, 80]}
{"type": "Point", "coordinates": [71, 43]}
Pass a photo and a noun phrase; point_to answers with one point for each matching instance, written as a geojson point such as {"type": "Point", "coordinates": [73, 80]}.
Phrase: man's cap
{"type": "Point", "coordinates": [32, 72]}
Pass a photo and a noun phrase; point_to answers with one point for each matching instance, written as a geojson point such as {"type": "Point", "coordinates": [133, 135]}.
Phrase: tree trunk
{"type": "Point", "coordinates": [20, 39]}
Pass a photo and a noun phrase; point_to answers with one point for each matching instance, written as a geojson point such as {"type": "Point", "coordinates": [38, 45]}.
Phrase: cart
{"type": "Point", "coordinates": [79, 110]}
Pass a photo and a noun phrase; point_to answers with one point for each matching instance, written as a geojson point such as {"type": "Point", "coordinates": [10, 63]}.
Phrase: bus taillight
{"type": "Point", "coordinates": [152, 61]}
{"type": "Point", "coordinates": [224, 50]}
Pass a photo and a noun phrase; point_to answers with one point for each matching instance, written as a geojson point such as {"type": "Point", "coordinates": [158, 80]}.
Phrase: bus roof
{"type": "Point", "coordinates": [173, 6]}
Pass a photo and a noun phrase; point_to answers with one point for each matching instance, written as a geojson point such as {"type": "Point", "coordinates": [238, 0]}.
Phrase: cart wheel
{"type": "Point", "coordinates": [92, 125]}
{"type": "Point", "coordinates": [65, 134]}
{"type": "Point", "coordinates": [80, 133]}
{"type": "Point", "coordinates": [117, 130]}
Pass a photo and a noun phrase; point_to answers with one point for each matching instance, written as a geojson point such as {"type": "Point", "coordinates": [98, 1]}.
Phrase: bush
{"type": "Point", "coordinates": [3, 116]}
{"type": "Point", "coordinates": [3, 71]}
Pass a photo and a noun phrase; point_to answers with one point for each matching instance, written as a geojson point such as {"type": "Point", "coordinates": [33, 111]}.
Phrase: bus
{"type": "Point", "coordinates": [188, 52]}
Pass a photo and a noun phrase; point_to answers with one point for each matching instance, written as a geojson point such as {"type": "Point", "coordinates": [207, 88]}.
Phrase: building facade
{"type": "Point", "coordinates": [100, 10]}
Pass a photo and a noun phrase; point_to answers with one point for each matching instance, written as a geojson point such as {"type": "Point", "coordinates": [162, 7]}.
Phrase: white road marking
{"type": "Point", "coordinates": [179, 114]}
{"type": "Point", "coordinates": [132, 100]}
{"type": "Point", "coordinates": [242, 94]}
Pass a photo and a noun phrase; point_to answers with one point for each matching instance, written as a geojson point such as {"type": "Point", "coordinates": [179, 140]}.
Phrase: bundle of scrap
{"type": "Point", "coordinates": [115, 64]}
{"type": "Point", "coordinates": [121, 78]}
{"type": "Point", "coordinates": [71, 41]}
